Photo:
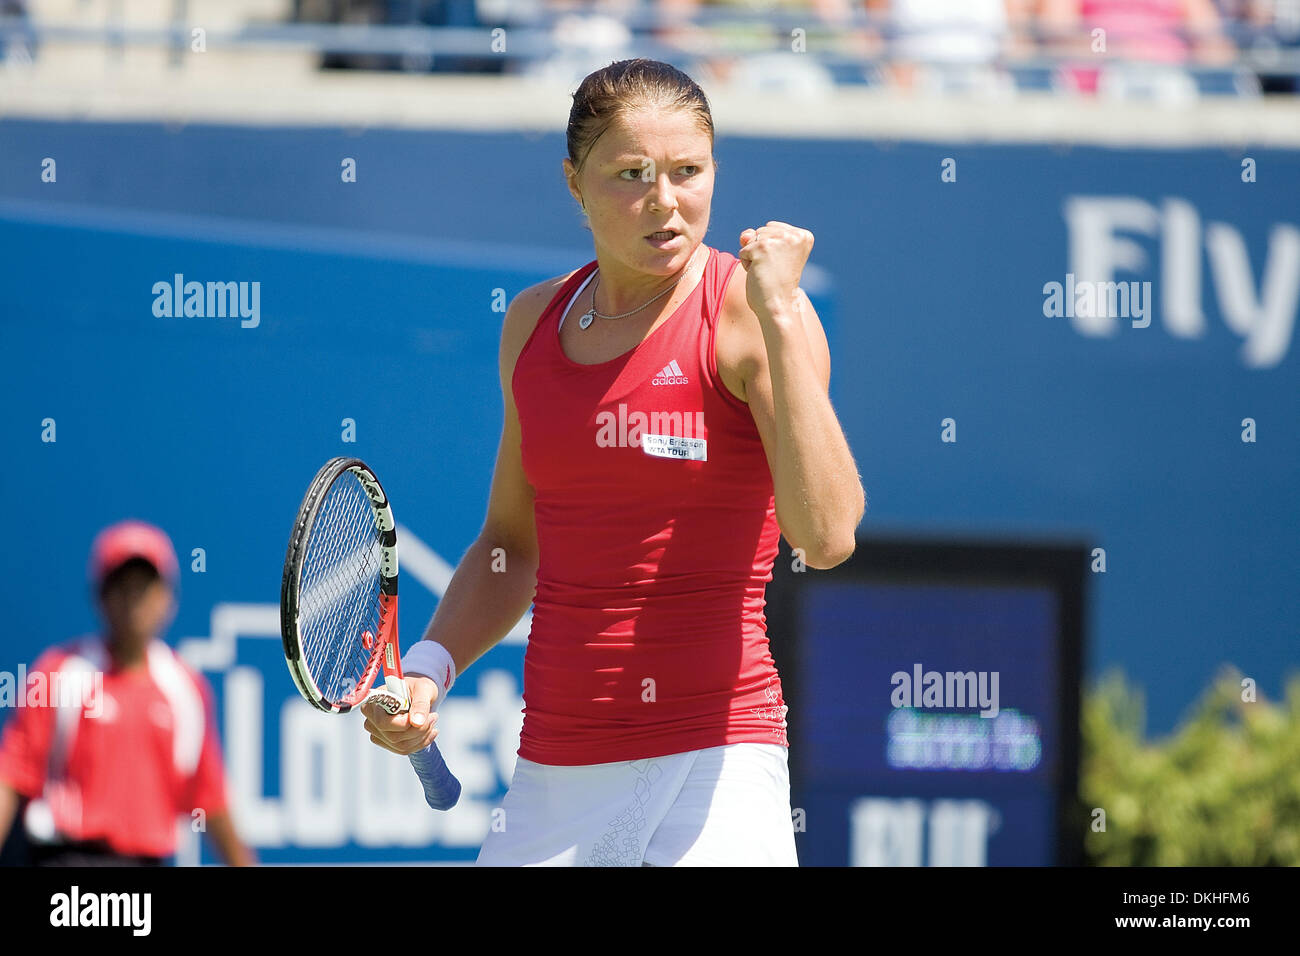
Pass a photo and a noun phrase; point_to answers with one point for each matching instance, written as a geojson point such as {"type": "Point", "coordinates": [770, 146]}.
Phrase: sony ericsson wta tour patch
{"type": "Point", "coordinates": [672, 446]}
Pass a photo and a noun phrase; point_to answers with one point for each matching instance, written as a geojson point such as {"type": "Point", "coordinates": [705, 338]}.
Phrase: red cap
{"type": "Point", "coordinates": [119, 543]}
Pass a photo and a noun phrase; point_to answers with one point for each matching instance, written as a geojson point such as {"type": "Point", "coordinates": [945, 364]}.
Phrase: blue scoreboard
{"type": "Point", "coordinates": [933, 690]}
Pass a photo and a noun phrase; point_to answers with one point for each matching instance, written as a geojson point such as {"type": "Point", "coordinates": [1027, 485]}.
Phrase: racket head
{"type": "Point", "coordinates": [338, 594]}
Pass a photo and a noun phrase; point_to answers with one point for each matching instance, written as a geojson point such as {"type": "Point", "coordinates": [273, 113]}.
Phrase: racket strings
{"type": "Point", "coordinates": [339, 590]}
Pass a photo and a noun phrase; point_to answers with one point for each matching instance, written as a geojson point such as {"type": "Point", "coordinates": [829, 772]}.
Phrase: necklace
{"type": "Point", "coordinates": [591, 313]}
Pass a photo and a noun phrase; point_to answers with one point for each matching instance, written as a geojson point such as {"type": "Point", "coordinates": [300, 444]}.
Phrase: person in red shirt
{"type": "Point", "coordinates": [115, 736]}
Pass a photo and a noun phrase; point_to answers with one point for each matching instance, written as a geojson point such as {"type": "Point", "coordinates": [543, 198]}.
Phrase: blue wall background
{"type": "Point", "coordinates": [377, 305]}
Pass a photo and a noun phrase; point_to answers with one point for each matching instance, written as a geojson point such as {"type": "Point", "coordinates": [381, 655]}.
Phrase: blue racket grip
{"type": "Point", "coordinates": [441, 789]}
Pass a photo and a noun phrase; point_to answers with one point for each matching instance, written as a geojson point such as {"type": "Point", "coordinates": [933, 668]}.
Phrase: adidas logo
{"type": "Point", "coordinates": [670, 374]}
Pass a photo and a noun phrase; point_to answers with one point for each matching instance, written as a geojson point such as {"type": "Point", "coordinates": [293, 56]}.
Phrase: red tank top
{"type": "Point", "coordinates": [656, 529]}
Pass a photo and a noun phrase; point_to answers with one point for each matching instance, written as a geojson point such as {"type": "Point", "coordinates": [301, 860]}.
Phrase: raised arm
{"type": "Point", "coordinates": [772, 345]}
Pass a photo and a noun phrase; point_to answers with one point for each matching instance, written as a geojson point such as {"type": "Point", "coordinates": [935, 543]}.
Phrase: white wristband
{"type": "Point", "coordinates": [433, 661]}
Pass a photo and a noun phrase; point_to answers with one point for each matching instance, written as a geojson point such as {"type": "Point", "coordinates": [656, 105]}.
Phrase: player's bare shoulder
{"type": "Point", "coordinates": [522, 315]}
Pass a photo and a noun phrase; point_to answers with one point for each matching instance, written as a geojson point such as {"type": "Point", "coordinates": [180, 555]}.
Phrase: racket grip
{"type": "Point", "coordinates": [441, 789]}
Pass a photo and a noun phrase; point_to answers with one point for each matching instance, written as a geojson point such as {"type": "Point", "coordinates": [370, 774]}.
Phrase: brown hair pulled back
{"type": "Point", "coordinates": [624, 87]}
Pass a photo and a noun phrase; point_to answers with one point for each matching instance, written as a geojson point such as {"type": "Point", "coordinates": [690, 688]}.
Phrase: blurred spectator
{"type": "Point", "coordinates": [1274, 32]}
{"type": "Point", "coordinates": [354, 13]}
{"type": "Point", "coordinates": [1111, 47]}
{"type": "Point", "coordinates": [116, 738]}
{"type": "Point", "coordinates": [751, 51]}
{"type": "Point", "coordinates": [16, 43]}
{"type": "Point", "coordinates": [827, 11]}
{"type": "Point", "coordinates": [941, 45]}
{"type": "Point", "coordinates": [1143, 43]}
{"type": "Point", "coordinates": [399, 13]}
{"type": "Point", "coordinates": [586, 36]}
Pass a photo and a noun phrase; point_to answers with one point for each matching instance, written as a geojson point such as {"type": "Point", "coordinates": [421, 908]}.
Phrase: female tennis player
{"type": "Point", "coordinates": [666, 419]}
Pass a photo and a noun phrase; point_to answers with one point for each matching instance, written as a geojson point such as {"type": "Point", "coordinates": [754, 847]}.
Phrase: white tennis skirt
{"type": "Point", "coordinates": [721, 806]}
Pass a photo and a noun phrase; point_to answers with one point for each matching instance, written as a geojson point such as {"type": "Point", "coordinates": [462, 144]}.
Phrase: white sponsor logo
{"type": "Point", "coordinates": [1262, 315]}
{"type": "Point", "coordinates": [670, 374]}
{"type": "Point", "coordinates": [886, 831]}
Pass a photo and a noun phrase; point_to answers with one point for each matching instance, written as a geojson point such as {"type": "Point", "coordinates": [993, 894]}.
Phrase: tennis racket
{"type": "Point", "coordinates": [338, 607]}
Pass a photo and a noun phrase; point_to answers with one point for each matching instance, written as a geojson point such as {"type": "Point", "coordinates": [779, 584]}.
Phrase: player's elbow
{"type": "Point", "coordinates": [508, 545]}
{"type": "Point", "coordinates": [839, 552]}
{"type": "Point", "coordinates": [832, 541]}
{"type": "Point", "coordinates": [827, 554]}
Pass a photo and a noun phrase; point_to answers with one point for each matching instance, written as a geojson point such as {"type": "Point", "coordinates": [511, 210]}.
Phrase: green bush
{"type": "Point", "coordinates": [1223, 790]}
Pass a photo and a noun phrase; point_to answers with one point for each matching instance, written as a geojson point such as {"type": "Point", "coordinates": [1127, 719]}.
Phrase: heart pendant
{"type": "Point", "coordinates": [586, 320]}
